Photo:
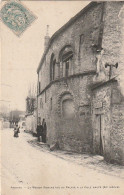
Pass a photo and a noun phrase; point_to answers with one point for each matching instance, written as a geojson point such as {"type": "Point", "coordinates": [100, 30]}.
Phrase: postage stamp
{"type": "Point", "coordinates": [16, 16]}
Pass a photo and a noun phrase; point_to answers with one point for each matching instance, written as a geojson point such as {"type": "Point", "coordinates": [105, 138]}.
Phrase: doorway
{"type": "Point", "coordinates": [99, 132]}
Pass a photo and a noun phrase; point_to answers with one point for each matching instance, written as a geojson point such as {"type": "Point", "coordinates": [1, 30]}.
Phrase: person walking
{"type": "Point", "coordinates": [16, 131]}
{"type": "Point", "coordinates": [44, 131]}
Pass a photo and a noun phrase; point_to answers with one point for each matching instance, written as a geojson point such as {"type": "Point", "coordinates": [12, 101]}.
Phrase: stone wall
{"type": "Point", "coordinates": [71, 109]}
{"type": "Point", "coordinates": [101, 105]}
{"type": "Point", "coordinates": [109, 102]}
{"type": "Point", "coordinates": [117, 131]}
{"type": "Point", "coordinates": [80, 35]}
{"type": "Point", "coordinates": [31, 122]}
{"type": "Point", "coordinates": [73, 133]}
{"type": "Point", "coordinates": [112, 38]}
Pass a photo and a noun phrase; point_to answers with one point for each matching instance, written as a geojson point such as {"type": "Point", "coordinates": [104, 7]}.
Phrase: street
{"type": "Point", "coordinates": [28, 170]}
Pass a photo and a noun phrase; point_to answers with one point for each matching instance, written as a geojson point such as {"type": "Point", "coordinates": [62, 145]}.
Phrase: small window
{"type": "Point", "coordinates": [41, 103]}
{"type": "Point", "coordinates": [23, 124]}
{"type": "Point", "coordinates": [81, 39]}
{"type": "Point", "coordinates": [39, 86]}
{"type": "Point", "coordinates": [45, 97]}
{"type": "Point", "coordinates": [53, 71]}
{"type": "Point", "coordinates": [66, 68]}
{"type": "Point", "coordinates": [52, 67]}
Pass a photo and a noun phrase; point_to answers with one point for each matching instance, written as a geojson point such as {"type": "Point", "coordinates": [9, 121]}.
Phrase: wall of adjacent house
{"type": "Point", "coordinates": [31, 122]}
{"type": "Point", "coordinates": [101, 105]}
{"type": "Point", "coordinates": [112, 44]}
{"type": "Point", "coordinates": [112, 37]}
{"type": "Point", "coordinates": [117, 131]}
{"type": "Point", "coordinates": [112, 110]}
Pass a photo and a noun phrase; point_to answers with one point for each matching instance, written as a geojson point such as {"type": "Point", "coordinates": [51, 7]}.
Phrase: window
{"type": "Point", "coordinates": [80, 44]}
{"type": "Point", "coordinates": [66, 56]}
{"type": "Point", "coordinates": [52, 67]}
{"type": "Point", "coordinates": [66, 68]}
{"type": "Point", "coordinates": [39, 86]}
{"type": "Point", "coordinates": [41, 103]}
{"type": "Point", "coordinates": [23, 124]}
{"type": "Point", "coordinates": [53, 72]}
{"type": "Point", "coordinates": [68, 108]}
{"type": "Point", "coordinates": [81, 39]}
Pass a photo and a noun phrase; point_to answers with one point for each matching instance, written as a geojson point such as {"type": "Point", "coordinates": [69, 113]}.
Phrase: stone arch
{"type": "Point", "coordinates": [65, 100]}
{"type": "Point", "coordinates": [65, 48]}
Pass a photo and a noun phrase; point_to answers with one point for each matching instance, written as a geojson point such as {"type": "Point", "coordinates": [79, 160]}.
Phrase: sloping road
{"type": "Point", "coordinates": [29, 171]}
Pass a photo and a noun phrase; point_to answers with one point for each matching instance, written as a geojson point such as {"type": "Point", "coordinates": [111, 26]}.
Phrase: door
{"type": "Point", "coordinates": [99, 134]}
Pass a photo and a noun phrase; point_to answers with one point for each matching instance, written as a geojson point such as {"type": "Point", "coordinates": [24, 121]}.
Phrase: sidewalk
{"type": "Point", "coordinates": [94, 162]}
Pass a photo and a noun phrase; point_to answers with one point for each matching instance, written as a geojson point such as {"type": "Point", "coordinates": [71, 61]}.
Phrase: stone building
{"type": "Point", "coordinates": [79, 90]}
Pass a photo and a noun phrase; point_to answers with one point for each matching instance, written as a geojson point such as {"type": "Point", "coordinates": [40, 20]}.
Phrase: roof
{"type": "Point", "coordinates": [71, 21]}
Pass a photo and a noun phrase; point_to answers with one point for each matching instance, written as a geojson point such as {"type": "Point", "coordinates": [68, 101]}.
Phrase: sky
{"type": "Point", "coordinates": [20, 56]}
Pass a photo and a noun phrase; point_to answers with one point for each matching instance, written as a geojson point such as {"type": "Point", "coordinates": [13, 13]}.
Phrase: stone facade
{"type": "Point", "coordinates": [108, 120]}
{"type": "Point", "coordinates": [75, 88]}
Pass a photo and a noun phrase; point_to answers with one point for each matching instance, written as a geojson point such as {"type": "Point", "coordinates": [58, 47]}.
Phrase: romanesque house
{"type": "Point", "coordinates": [80, 92]}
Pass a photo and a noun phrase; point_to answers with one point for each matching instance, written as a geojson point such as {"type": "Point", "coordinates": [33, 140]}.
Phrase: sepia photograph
{"type": "Point", "coordinates": [61, 97]}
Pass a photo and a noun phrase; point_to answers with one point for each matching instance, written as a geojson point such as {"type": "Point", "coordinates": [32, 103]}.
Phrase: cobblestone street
{"type": "Point", "coordinates": [27, 165]}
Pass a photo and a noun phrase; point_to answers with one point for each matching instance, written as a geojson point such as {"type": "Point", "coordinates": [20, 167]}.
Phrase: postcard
{"type": "Point", "coordinates": [62, 97]}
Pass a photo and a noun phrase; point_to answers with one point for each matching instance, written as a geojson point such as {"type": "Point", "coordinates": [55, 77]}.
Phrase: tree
{"type": "Point", "coordinates": [15, 116]}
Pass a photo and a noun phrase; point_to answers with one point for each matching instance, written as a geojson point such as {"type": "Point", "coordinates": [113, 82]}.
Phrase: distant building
{"type": "Point", "coordinates": [4, 124]}
{"type": "Point", "coordinates": [31, 114]}
{"type": "Point", "coordinates": [79, 93]}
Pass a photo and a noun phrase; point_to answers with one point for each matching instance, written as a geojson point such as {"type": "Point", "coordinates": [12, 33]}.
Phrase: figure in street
{"type": "Point", "coordinates": [39, 131]}
{"type": "Point", "coordinates": [44, 131]}
{"type": "Point", "coordinates": [16, 131]}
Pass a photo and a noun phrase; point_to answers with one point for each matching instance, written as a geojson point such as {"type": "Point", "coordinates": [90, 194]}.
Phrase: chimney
{"type": "Point", "coordinates": [46, 38]}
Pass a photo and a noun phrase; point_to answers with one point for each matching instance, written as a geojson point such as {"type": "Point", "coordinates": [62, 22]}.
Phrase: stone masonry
{"type": "Point", "coordinates": [76, 91]}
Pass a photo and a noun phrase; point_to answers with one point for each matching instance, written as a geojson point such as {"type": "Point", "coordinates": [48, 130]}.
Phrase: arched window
{"type": "Point", "coordinates": [65, 57]}
{"type": "Point", "coordinates": [52, 67]}
{"type": "Point", "coordinates": [67, 105]}
{"type": "Point", "coordinates": [68, 108]}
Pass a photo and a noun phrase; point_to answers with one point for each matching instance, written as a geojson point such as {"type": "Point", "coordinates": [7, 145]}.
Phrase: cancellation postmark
{"type": "Point", "coordinates": [16, 16]}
